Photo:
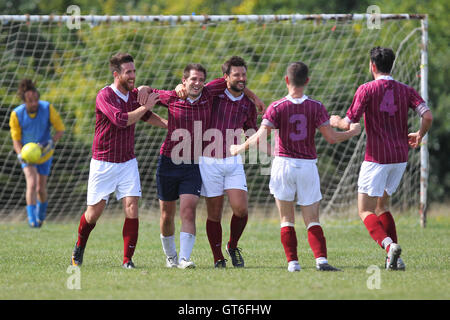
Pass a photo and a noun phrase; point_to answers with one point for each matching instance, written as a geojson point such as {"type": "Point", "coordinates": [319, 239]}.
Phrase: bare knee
{"type": "Point", "coordinates": [241, 211]}
{"type": "Point", "coordinates": [166, 220]}
{"type": "Point", "coordinates": [167, 217]}
{"type": "Point", "coordinates": [93, 212]}
{"type": "Point", "coordinates": [214, 207]}
{"type": "Point", "coordinates": [32, 184]}
{"type": "Point", "coordinates": [187, 214]}
{"type": "Point", "coordinates": [131, 207]}
{"type": "Point", "coordinates": [41, 192]}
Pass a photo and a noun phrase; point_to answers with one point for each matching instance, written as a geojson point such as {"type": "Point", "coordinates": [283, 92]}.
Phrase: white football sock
{"type": "Point", "coordinates": [168, 244]}
{"type": "Point", "coordinates": [321, 260]}
{"type": "Point", "coordinates": [187, 241]}
{"type": "Point", "coordinates": [386, 241]}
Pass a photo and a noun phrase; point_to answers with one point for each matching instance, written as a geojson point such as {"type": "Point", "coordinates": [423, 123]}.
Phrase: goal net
{"type": "Point", "coordinates": [68, 60]}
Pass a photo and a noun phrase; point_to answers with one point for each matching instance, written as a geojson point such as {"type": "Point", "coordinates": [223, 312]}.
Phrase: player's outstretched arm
{"type": "Point", "coordinates": [143, 93]}
{"type": "Point", "coordinates": [332, 136]}
{"type": "Point", "coordinates": [135, 115]}
{"type": "Point", "coordinates": [415, 138]}
{"type": "Point", "coordinates": [263, 130]}
{"type": "Point", "coordinates": [338, 122]}
{"type": "Point", "coordinates": [157, 121]}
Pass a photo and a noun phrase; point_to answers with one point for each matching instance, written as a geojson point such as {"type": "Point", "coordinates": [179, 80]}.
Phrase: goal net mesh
{"type": "Point", "coordinates": [70, 65]}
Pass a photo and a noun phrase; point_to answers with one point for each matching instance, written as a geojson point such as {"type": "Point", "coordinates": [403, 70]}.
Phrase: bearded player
{"type": "Point", "coordinates": [232, 113]}
{"type": "Point", "coordinates": [113, 166]}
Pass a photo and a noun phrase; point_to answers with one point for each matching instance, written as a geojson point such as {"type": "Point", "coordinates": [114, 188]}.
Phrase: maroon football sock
{"type": "Point", "coordinates": [214, 233]}
{"type": "Point", "coordinates": [317, 241]}
{"type": "Point", "coordinates": [130, 236]}
{"type": "Point", "coordinates": [289, 241]}
{"type": "Point", "coordinates": [376, 229]}
{"type": "Point", "coordinates": [237, 226]}
{"type": "Point", "coordinates": [84, 229]}
{"type": "Point", "coordinates": [389, 225]}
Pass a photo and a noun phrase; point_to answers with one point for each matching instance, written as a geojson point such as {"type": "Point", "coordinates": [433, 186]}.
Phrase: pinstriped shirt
{"type": "Point", "coordinates": [187, 120]}
{"type": "Point", "coordinates": [113, 139]}
{"type": "Point", "coordinates": [230, 113]}
{"type": "Point", "coordinates": [296, 121]}
{"type": "Point", "coordinates": [385, 104]}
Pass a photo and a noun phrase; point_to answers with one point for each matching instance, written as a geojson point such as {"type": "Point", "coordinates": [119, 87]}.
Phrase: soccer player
{"type": "Point", "coordinates": [385, 103]}
{"type": "Point", "coordinates": [294, 169]}
{"type": "Point", "coordinates": [113, 166]}
{"type": "Point", "coordinates": [32, 122]}
{"type": "Point", "coordinates": [178, 175]}
{"type": "Point", "coordinates": [221, 173]}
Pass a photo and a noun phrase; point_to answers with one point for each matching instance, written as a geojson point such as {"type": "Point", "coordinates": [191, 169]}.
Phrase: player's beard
{"type": "Point", "coordinates": [234, 86]}
{"type": "Point", "coordinates": [127, 86]}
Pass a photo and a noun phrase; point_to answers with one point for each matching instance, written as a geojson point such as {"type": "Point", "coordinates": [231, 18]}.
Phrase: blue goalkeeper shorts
{"type": "Point", "coordinates": [43, 168]}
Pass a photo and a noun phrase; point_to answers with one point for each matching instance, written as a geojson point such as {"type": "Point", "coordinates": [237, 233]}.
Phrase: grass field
{"type": "Point", "coordinates": [34, 262]}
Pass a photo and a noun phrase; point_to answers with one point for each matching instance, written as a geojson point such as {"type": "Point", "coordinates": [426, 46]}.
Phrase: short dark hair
{"type": "Point", "coordinates": [297, 73]}
{"type": "Point", "coordinates": [234, 61]}
{"type": "Point", "coordinates": [24, 86]}
{"type": "Point", "coordinates": [193, 66]}
{"type": "Point", "coordinates": [118, 59]}
{"type": "Point", "coordinates": [383, 58]}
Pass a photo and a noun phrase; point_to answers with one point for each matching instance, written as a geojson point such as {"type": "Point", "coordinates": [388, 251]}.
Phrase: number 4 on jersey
{"type": "Point", "coordinates": [388, 105]}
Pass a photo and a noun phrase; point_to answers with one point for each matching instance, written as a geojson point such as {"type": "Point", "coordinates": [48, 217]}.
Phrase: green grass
{"type": "Point", "coordinates": [34, 262]}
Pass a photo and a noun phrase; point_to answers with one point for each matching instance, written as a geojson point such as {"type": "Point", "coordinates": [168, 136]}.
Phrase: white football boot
{"type": "Point", "coordinates": [294, 266]}
{"type": "Point", "coordinates": [172, 262]}
{"type": "Point", "coordinates": [392, 258]}
{"type": "Point", "coordinates": [186, 264]}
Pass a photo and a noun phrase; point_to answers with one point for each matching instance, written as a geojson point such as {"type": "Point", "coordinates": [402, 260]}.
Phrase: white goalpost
{"type": "Point", "coordinates": [67, 57]}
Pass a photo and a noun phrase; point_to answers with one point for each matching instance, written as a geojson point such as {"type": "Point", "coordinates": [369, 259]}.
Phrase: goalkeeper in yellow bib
{"type": "Point", "coordinates": [32, 122]}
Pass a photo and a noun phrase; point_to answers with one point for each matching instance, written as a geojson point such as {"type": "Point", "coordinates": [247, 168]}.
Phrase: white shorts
{"type": "Point", "coordinates": [107, 177]}
{"type": "Point", "coordinates": [375, 178]}
{"type": "Point", "coordinates": [291, 176]}
{"type": "Point", "coordinates": [221, 174]}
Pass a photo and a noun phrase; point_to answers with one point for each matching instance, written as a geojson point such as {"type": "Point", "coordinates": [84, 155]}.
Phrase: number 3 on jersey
{"type": "Point", "coordinates": [301, 127]}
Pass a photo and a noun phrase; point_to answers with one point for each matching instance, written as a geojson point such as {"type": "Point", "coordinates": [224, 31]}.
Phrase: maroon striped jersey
{"type": "Point", "coordinates": [385, 104]}
{"type": "Point", "coordinates": [113, 139]}
{"type": "Point", "coordinates": [188, 120]}
{"type": "Point", "coordinates": [235, 114]}
{"type": "Point", "coordinates": [296, 121]}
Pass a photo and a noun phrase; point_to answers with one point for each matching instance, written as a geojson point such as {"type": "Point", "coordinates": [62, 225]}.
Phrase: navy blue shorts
{"type": "Point", "coordinates": [175, 179]}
